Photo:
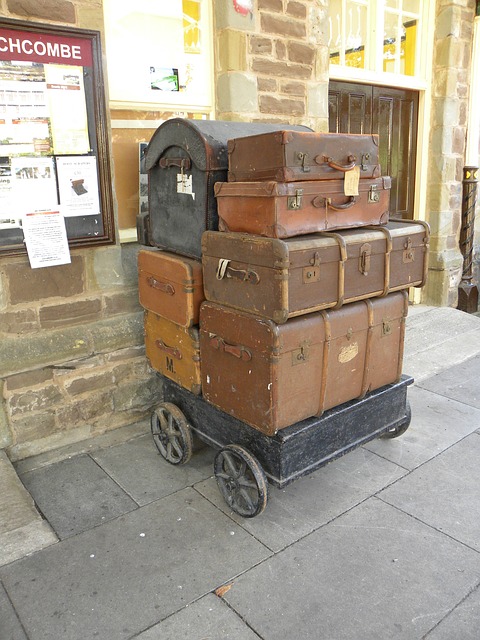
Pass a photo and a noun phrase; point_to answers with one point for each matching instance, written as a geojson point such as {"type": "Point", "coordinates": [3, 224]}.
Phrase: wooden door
{"type": "Point", "coordinates": [393, 114]}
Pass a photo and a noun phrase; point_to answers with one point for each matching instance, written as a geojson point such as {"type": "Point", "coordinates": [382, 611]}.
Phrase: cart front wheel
{"type": "Point", "coordinates": [241, 481]}
{"type": "Point", "coordinates": [400, 429]}
{"type": "Point", "coordinates": [171, 433]}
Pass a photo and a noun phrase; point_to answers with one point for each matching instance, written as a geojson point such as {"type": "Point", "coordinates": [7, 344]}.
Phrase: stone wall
{"type": "Point", "coordinates": [272, 62]}
{"type": "Point", "coordinates": [452, 52]}
{"type": "Point", "coordinates": [72, 360]}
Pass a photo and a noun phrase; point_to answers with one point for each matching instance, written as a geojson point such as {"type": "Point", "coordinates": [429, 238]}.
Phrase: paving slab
{"type": "Point", "coordinates": [76, 494]}
{"type": "Point", "coordinates": [140, 470]}
{"type": "Point", "coordinates": [373, 573]}
{"type": "Point", "coordinates": [207, 619]}
{"type": "Point", "coordinates": [310, 502]}
{"type": "Point", "coordinates": [438, 339]}
{"type": "Point", "coordinates": [10, 627]}
{"type": "Point", "coordinates": [444, 492]}
{"type": "Point", "coordinates": [437, 423]}
{"type": "Point", "coordinates": [22, 528]}
{"type": "Point", "coordinates": [108, 439]}
{"type": "Point", "coordinates": [462, 623]}
{"type": "Point", "coordinates": [121, 578]}
{"type": "Point", "coordinates": [460, 382]}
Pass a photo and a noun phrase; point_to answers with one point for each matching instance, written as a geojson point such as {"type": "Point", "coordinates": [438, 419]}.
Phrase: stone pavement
{"type": "Point", "coordinates": [382, 543]}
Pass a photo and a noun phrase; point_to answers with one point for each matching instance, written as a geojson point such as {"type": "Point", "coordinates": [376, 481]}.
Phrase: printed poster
{"type": "Point", "coordinates": [46, 239]}
{"type": "Point", "coordinates": [78, 186]}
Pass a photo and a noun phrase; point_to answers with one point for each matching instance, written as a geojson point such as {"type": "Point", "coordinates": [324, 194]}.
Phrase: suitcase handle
{"type": "Point", "coordinates": [173, 351]}
{"type": "Point", "coordinates": [335, 165]}
{"type": "Point", "coordinates": [181, 163]}
{"type": "Point", "coordinates": [235, 350]}
{"type": "Point", "coordinates": [161, 286]}
{"type": "Point", "coordinates": [319, 202]}
{"type": "Point", "coordinates": [245, 275]}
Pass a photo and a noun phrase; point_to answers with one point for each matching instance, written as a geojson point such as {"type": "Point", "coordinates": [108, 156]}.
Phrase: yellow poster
{"type": "Point", "coordinates": [68, 111]}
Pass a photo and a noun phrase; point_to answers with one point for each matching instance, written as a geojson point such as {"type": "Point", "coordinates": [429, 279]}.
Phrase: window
{"type": "Point", "coordinates": [376, 36]}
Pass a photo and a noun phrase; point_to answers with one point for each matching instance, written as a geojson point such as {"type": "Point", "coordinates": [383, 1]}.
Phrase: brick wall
{"type": "Point", "coordinates": [272, 62]}
{"type": "Point", "coordinates": [453, 36]}
{"type": "Point", "coordinates": [72, 360]}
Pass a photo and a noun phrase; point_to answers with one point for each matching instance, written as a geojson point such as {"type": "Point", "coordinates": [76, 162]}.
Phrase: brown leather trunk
{"type": "Point", "coordinates": [173, 350]}
{"type": "Point", "coordinates": [286, 209]}
{"type": "Point", "coordinates": [271, 376]}
{"type": "Point", "coordinates": [281, 279]}
{"type": "Point", "coordinates": [288, 156]}
{"type": "Point", "coordinates": [170, 285]}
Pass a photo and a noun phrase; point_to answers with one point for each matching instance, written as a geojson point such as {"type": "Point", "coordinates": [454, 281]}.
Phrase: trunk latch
{"type": "Point", "coordinates": [295, 202]}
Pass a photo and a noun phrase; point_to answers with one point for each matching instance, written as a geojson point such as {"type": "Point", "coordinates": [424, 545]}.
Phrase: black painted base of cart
{"type": "Point", "coordinates": [247, 457]}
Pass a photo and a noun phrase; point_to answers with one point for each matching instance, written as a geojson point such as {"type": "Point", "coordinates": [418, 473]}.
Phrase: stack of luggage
{"type": "Point", "coordinates": [285, 294]}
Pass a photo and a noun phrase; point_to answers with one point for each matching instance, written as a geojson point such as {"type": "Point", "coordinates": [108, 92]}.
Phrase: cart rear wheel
{"type": "Point", "coordinates": [241, 481]}
{"type": "Point", "coordinates": [171, 433]}
{"type": "Point", "coordinates": [400, 429]}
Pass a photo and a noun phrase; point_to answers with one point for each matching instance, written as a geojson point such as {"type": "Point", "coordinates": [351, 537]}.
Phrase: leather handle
{"type": "Point", "coordinates": [172, 351]}
{"type": "Point", "coordinates": [319, 202]}
{"type": "Point", "coordinates": [181, 163]}
{"type": "Point", "coordinates": [165, 287]}
{"type": "Point", "coordinates": [233, 349]}
{"type": "Point", "coordinates": [336, 165]}
{"type": "Point", "coordinates": [245, 275]}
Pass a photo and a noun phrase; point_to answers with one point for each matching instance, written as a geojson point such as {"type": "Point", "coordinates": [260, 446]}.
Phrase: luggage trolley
{"type": "Point", "coordinates": [247, 460]}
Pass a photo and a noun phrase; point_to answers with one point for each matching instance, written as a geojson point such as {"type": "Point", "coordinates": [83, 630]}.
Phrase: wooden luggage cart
{"type": "Point", "coordinates": [247, 459]}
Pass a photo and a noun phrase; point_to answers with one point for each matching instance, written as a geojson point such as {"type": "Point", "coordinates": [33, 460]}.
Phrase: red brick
{"type": "Point", "coordinates": [89, 383]}
{"type": "Point", "coordinates": [34, 400]}
{"type": "Point", "coordinates": [266, 84]}
{"type": "Point", "coordinates": [293, 88]}
{"type": "Point", "coordinates": [282, 26]}
{"type": "Point", "coordinates": [270, 5]}
{"type": "Point", "coordinates": [20, 321]}
{"type": "Point", "coordinates": [280, 50]}
{"type": "Point", "coordinates": [281, 69]}
{"type": "Point", "coordinates": [29, 379]}
{"type": "Point", "coordinates": [70, 313]}
{"type": "Point", "coordinates": [260, 45]}
{"type": "Point", "coordinates": [28, 285]}
{"type": "Point", "coordinates": [270, 104]}
{"type": "Point", "coordinates": [34, 427]}
{"type": "Point", "coordinates": [297, 10]}
{"type": "Point", "coordinates": [302, 53]}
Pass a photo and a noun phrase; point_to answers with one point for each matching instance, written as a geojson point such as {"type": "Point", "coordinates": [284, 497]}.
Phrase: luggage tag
{"type": "Point", "coordinates": [350, 184]}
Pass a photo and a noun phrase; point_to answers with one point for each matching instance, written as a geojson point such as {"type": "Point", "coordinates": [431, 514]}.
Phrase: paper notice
{"type": "Point", "coordinates": [352, 178]}
{"type": "Point", "coordinates": [46, 239]}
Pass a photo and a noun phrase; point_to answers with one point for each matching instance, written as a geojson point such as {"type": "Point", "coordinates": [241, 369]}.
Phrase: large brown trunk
{"type": "Point", "coordinates": [281, 279]}
{"type": "Point", "coordinates": [271, 376]}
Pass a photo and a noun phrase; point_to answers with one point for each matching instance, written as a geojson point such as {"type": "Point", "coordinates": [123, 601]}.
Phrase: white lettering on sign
{"type": "Point", "coordinates": [40, 48]}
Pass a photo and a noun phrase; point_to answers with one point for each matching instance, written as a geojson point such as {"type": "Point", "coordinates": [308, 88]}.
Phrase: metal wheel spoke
{"type": "Point", "coordinates": [229, 461]}
{"type": "Point", "coordinates": [248, 484]}
{"type": "Point", "coordinates": [177, 447]}
{"type": "Point", "coordinates": [223, 475]}
{"type": "Point", "coordinates": [247, 500]}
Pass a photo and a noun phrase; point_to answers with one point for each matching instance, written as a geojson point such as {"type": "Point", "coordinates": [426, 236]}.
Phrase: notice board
{"type": "Point", "coordinates": [53, 136]}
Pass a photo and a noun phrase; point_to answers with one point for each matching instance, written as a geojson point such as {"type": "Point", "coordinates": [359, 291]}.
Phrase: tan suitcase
{"type": "Point", "coordinates": [170, 285]}
{"type": "Point", "coordinates": [271, 376]}
{"type": "Point", "coordinates": [173, 351]}
{"type": "Point", "coordinates": [280, 279]}
{"type": "Point", "coordinates": [287, 209]}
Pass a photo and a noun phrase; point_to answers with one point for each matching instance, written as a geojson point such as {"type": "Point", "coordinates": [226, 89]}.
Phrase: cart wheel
{"type": "Point", "coordinates": [171, 433]}
{"type": "Point", "coordinates": [241, 481]}
{"type": "Point", "coordinates": [400, 429]}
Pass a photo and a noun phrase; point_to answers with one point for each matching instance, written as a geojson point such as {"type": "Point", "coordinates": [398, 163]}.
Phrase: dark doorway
{"type": "Point", "coordinates": [393, 114]}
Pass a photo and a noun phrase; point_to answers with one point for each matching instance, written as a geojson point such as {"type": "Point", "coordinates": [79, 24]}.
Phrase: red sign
{"type": "Point", "coordinates": [26, 46]}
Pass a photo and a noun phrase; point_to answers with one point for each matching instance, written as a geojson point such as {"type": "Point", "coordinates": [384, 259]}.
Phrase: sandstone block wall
{"type": "Point", "coordinates": [72, 358]}
{"type": "Point", "coordinates": [452, 53]}
{"type": "Point", "coordinates": [272, 62]}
